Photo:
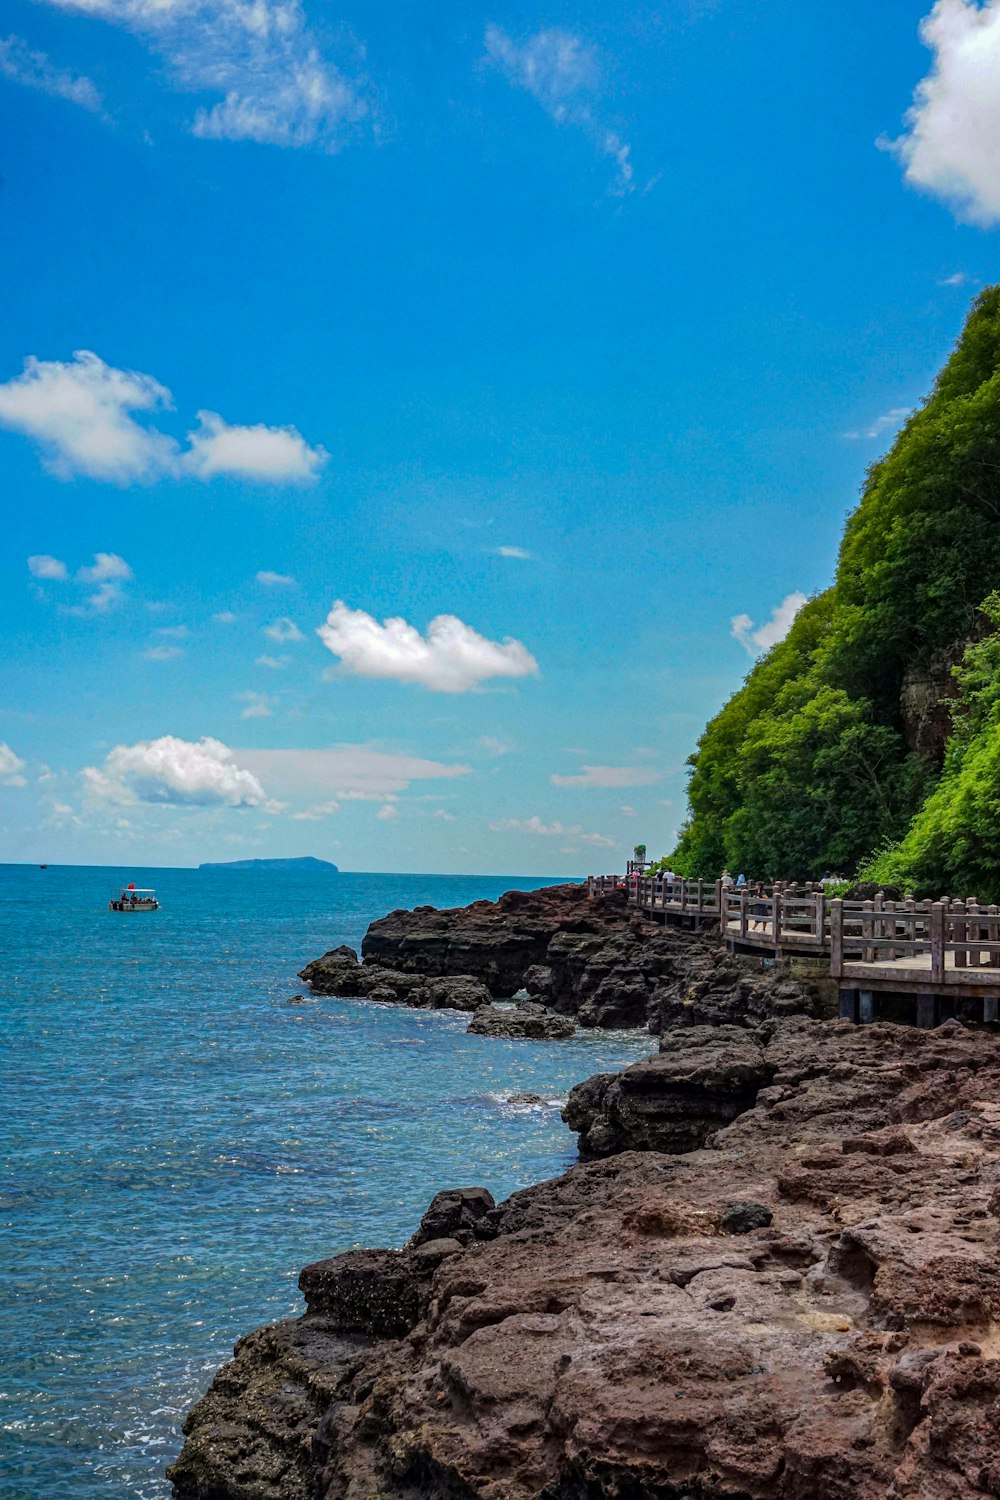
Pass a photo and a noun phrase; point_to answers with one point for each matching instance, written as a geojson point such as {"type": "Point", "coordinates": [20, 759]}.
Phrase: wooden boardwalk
{"type": "Point", "coordinates": [933, 957]}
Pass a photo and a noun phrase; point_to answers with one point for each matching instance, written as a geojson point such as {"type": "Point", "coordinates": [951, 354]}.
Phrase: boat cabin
{"type": "Point", "coordinates": [133, 898]}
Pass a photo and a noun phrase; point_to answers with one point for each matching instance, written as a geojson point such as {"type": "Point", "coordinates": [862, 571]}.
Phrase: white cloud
{"type": "Point", "coordinates": [173, 632]}
{"type": "Point", "coordinates": [451, 658]}
{"type": "Point", "coordinates": [275, 580]}
{"type": "Point", "coordinates": [283, 631]}
{"type": "Point", "coordinates": [81, 413]}
{"type": "Point", "coordinates": [316, 813]}
{"type": "Point", "coordinates": [608, 776]}
{"type": "Point", "coordinates": [444, 815]}
{"type": "Point", "coordinates": [556, 829]}
{"type": "Point", "coordinates": [174, 772]}
{"type": "Point", "coordinates": [163, 653]}
{"type": "Point", "coordinates": [951, 146]}
{"type": "Point", "coordinates": [960, 278]}
{"type": "Point", "coordinates": [776, 628]}
{"type": "Point", "coordinates": [260, 60]}
{"type": "Point", "coordinates": [277, 455]}
{"type": "Point", "coordinates": [44, 566]}
{"type": "Point", "coordinates": [562, 73]}
{"type": "Point", "coordinates": [275, 663]}
{"type": "Point", "coordinates": [107, 567]}
{"type": "Point", "coordinates": [258, 706]}
{"type": "Point", "coordinates": [22, 64]}
{"type": "Point", "coordinates": [344, 773]}
{"type": "Point", "coordinates": [518, 552]}
{"type": "Point", "coordinates": [224, 617]}
{"type": "Point", "coordinates": [11, 767]}
{"type": "Point", "coordinates": [628, 812]}
{"type": "Point", "coordinates": [888, 420]}
{"type": "Point", "coordinates": [387, 812]}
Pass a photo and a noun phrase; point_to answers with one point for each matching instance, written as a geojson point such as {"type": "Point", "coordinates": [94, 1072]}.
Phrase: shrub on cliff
{"type": "Point", "coordinates": [812, 764]}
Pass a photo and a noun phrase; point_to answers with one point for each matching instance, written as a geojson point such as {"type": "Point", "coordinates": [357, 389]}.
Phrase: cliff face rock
{"type": "Point", "coordinates": [807, 1307]}
{"type": "Point", "coordinates": [594, 961]}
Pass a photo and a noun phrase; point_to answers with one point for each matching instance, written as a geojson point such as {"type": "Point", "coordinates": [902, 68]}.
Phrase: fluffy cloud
{"type": "Point", "coordinates": [275, 455]}
{"type": "Point", "coordinates": [451, 658]}
{"type": "Point", "coordinates": [260, 60]}
{"type": "Point", "coordinates": [82, 415]}
{"type": "Point", "coordinates": [561, 72]}
{"type": "Point", "coordinates": [608, 776]}
{"type": "Point", "coordinates": [762, 638]}
{"type": "Point", "coordinates": [163, 653]}
{"type": "Point", "coordinates": [44, 566]}
{"type": "Point", "coordinates": [550, 830]}
{"type": "Point", "coordinates": [343, 773]}
{"type": "Point", "coordinates": [107, 567]}
{"type": "Point", "coordinates": [11, 767]}
{"type": "Point", "coordinates": [22, 64]}
{"type": "Point", "coordinates": [889, 420]}
{"type": "Point", "coordinates": [175, 772]}
{"type": "Point", "coordinates": [275, 580]}
{"type": "Point", "coordinates": [283, 631]}
{"type": "Point", "coordinates": [951, 146]}
{"type": "Point", "coordinates": [387, 813]}
{"type": "Point", "coordinates": [519, 552]}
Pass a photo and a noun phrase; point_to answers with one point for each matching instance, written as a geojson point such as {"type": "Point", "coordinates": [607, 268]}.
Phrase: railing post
{"type": "Point", "coordinates": [963, 930]}
{"type": "Point", "coordinates": [701, 897]}
{"type": "Point", "coordinates": [993, 959]}
{"type": "Point", "coordinates": [776, 921]}
{"type": "Point", "coordinates": [743, 914]}
{"type": "Point", "coordinates": [836, 938]}
{"type": "Point", "coordinates": [819, 921]}
{"type": "Point", "coordinates": [937, 942]}
{"type": "Point", "coordinates": [683, 894]}
{"type": "Point", "coordinates": [720, 907]}
{"type": "Point", "coordinates": [867, 931]}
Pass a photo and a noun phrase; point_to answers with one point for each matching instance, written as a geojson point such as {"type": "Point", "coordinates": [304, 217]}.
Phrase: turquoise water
{"type": "Point", "coordinates": [177, 1141]}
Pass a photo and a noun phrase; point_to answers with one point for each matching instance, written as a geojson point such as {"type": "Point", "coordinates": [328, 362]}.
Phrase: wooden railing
{"type": "Point", "coordinates": [963, 932]}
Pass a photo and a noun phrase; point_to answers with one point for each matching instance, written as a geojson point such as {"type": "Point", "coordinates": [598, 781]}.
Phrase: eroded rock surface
{"type": "Point", "coordinates": [805, 1307]}
{"type": "Point", "coordinates": [594, 961]}
{"type": "Point", "coordinates": [528, 1019]}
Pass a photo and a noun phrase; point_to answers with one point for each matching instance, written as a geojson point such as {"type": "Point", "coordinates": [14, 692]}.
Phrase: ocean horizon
{"type": "Point", "coordinates": [178, 1141]}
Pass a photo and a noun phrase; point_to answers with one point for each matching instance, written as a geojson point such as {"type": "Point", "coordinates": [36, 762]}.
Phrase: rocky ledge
{"type": "Point", "coordinates": [804, 1304]}
{"type": "Point", "coordinates": [594, 961]}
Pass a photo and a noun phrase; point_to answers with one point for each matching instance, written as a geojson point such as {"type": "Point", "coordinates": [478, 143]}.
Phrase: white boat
{"type": "Point", "coordinates": [132, 898]}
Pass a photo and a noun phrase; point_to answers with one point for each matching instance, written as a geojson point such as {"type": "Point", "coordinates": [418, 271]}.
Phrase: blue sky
{"type": "Point", "coordinates": [571, 329]}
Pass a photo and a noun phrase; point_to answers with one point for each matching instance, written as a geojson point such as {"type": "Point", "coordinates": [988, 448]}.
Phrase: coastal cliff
{"type": "Point", "coordinates": [783, 1282]}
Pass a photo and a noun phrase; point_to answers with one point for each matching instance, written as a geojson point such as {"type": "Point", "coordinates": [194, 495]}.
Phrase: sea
{"type": "Point", "coordinates": [178, 1140]}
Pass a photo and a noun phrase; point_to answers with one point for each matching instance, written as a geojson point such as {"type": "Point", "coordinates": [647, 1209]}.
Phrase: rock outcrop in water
{"type": "Point", "coordinates": [802, 1305]}
{"type": "Point", "coordinates": [594, 961]}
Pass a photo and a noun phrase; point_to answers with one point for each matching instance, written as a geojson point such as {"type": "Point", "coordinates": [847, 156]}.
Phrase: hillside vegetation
{"type": "Point", "coordinates": [869, 739]}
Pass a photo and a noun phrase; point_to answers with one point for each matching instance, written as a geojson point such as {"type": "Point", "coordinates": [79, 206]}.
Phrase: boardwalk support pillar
{"type": "Point", "coordinates": [866, 1007]}
{"type": "Point", "coordinates": [927, 1012]}
{"type": "Point", "coordinates": [848, 1005]}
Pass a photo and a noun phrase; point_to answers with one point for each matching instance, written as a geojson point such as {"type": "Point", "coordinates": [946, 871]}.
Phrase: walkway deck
{"type": "Point", "coordinates": [922, 951]}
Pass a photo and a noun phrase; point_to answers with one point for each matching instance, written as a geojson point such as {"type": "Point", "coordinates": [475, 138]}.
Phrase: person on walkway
{"type": "Point", "coordinates": [727, 881]}
{"type": "Point", "coordinates": [741, 882]}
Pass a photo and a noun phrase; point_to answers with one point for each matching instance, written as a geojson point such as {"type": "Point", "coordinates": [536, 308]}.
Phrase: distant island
{"type": "Point", "coordinates": [304, 864]}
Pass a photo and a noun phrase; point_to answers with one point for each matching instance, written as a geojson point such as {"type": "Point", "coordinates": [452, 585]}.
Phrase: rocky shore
{"type": "Point", "coordinates": [775, 1275]}
{"type": "Point", "coordinates": [592, 961]}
